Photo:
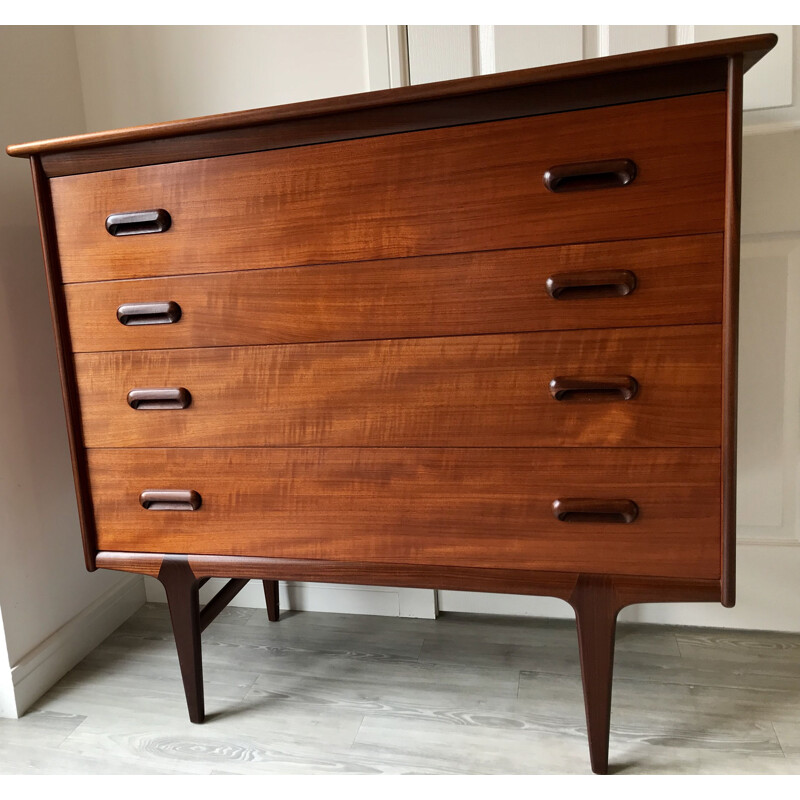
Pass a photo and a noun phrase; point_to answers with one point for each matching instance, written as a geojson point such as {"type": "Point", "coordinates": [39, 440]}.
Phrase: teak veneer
{"type": "Point", "coordinates": [446, 295]}
{"type": "Point", "coordinates": [462, 189]}
{"type": "Point", "coordinates": [477, 335]}
{"type": "Point", "coordinates": [465, 391]}
{"type": "Point", "coordinates": [438, 506]}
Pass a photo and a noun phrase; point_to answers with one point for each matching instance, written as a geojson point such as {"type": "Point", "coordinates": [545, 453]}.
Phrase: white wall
{"type": "Point", "coordinates": [44, 585]}
{"type": "Point", "coordinates": [133, 75]}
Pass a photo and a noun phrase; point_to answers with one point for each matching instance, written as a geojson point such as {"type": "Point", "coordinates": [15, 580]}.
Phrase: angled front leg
{"type": "Point", "coordinates": [182, 589]}
{"type": "Point", "coordinates": [273, 604]}
{"type": "Point", "coordinates": [596, 607]}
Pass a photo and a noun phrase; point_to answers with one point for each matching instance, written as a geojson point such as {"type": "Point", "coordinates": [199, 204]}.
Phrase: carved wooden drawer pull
{"type": "Point", "coordinates": [135, 223]}
{"type": "Point", "coordinates": [159, 399]}
{"type": "Point", "coordinates": [593, 388]}
{"type": "Point", "coordinates": [590, 284]}
{"type": "Point", "coordinates": [149, 313]}
{"type": "Point", "coordinates": [170, 500]}
{"type": "Point", "coordinates": [608, 174]}
{"type": "Point", "coordinates": [576, 509]}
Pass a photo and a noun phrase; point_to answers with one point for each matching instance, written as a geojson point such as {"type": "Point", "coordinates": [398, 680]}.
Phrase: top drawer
{"type": "Point", "coordinates": [468, 188]}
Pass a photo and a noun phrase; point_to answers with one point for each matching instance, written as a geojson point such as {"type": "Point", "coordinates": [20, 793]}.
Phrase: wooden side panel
{"type": "Point", "coordinates": [461, 189]}
{"type": "Point", "coordinates": [678, 281]}
{"type": "Point", "coordinates": [470, 391]}
{"type": "Point", "coordinates": [66, 369]}
{"type": "Point", "coordinates": [733, 189]}
{"type": "Point", "coordinates": [471, 507]}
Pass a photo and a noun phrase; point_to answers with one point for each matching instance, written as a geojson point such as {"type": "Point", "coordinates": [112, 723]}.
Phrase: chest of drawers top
{"type": "Point", "coordinates": [632, 77]}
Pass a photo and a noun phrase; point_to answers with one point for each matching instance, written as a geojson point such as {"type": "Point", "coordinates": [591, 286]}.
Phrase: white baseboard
{"type": "Point", "coordinates": [39, 669]}
{"type": "Point", "coordinates": [8, 708]}
{"type": "Point", "coordinates": [334, 597]}
{"type": "Point", "coordinates": [506, 604]}
{"type": "Point", "coordinates": [767, 128]}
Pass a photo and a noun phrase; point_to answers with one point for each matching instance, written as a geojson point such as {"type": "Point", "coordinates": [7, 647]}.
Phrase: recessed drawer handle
{"type": "Point", "coordinates": [149, 313]}
{"type": "Point", "coordinates": [591, 284]}
{"type": "Point", "coordinates": [593, 388]}
{"type": "Point", "coordinates": [134, 223]}
{"type": "Point", "coordinates": [590, 175]}
{"type": "Point", "coordinates": [576, 509]}
{"type": "Point", "coordinates": [170, 500]}
{"type": "Point", "coordinates": [159, 399]}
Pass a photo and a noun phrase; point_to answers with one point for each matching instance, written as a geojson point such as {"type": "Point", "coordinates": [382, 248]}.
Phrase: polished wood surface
{"type": "Point", "coordinates": [181, 587]}
{"type": "Point", "coordinates": [459, 507]}
{"type": "Point", "coordinates": [478, 187]}
{"type": "Point", "coordinates": [631, 589]}
{"type": "Point", "coordinates": [596, 608]}
{"type": "Point", "coordinates": [466, 391]}
{"type": "Point", "coordinates": [678, 281]}
{"type": "Point", "coordinates": [272, 597]}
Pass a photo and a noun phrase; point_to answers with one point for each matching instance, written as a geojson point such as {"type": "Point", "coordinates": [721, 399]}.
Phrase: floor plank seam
{"type": "Point", "coordinates": [358, 730]}
{"type": "Point", "coordinates": [643, 679]}
{"type": "Point", "coordinates": [778, 739]}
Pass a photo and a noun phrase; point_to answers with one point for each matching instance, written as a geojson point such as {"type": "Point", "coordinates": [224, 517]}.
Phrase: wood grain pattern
{"type": "Point", "coordinates": [469, 188]}
{"type": "Point", "coordinates": [454, 507]}
{"type": "Point", "coordinates": [678, 281]}
{"type": "Point", "coordinates": [464, 391]}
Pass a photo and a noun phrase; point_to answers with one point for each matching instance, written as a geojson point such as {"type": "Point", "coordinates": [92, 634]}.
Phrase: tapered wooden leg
{"type": "Point", "coordinates": [273, 604]}
{"type": "Point", "coordinates": [596, 607]}
{"type": "Point", "coordinates": [182, 589]}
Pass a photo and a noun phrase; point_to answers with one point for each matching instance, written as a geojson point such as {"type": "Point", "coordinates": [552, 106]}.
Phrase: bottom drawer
{"type": "Point", "coordinates": [441, 506]}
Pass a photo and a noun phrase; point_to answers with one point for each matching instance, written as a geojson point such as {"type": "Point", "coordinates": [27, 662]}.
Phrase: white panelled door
{"type": "Point", "coordinates": [442, 52]}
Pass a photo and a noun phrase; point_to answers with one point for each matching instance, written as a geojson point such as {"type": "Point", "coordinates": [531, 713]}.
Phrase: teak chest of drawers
{"type": "Point", "coordinates": [474, 335]}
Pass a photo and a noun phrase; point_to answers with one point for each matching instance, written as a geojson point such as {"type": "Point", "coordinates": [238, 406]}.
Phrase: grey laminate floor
{"type": "Point", "coordinates": [333, 694]}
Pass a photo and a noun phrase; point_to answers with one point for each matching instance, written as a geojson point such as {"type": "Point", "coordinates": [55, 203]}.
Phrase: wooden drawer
{"type": "Point", "coordinates": [461, 189]}
{"type": "Point", "coordinates": [473, 507]}
{"type": "Point", "coordinates": [677, 281]}
{"type": "Point", "coordinates": [449, 391]}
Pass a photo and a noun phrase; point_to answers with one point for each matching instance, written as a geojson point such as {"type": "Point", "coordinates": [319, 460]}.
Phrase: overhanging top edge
{"type": "Point", "coordinates": [750, 48]}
